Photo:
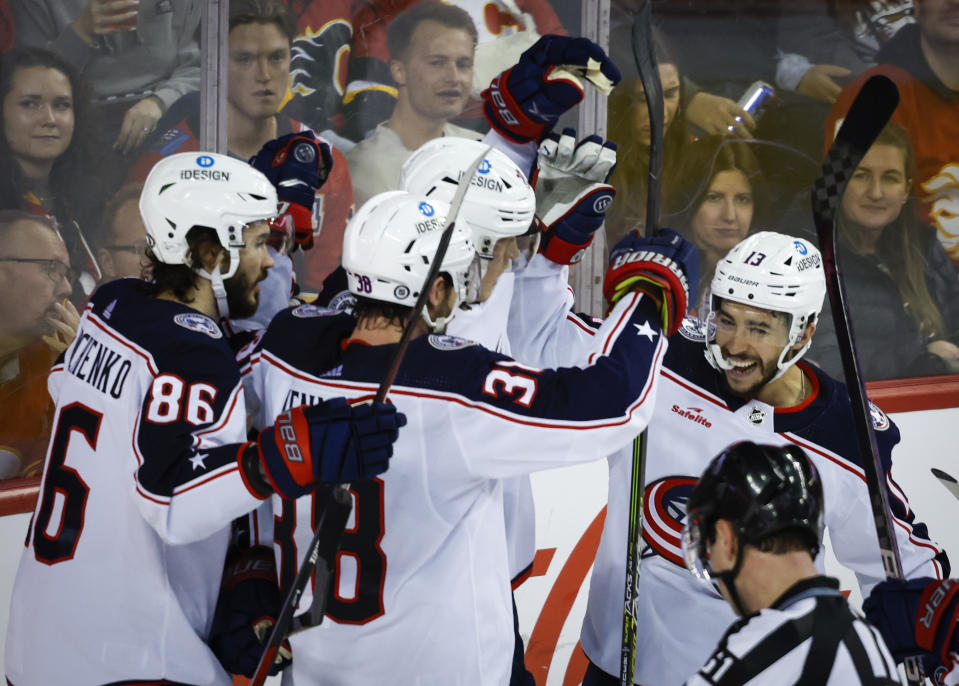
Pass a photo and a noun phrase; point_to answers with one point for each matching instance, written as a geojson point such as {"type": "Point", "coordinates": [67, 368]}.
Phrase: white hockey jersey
{"type": "Point", "coordinates": [679, 619]}
{"type": "Point", "coordinates": [421, 594]}
{"type": "Point", "coordinates": [809, 636]}
{"type": "Point", "coordinates": [121, 570]}
{"type": "Point", "coordinates": [486, 323]}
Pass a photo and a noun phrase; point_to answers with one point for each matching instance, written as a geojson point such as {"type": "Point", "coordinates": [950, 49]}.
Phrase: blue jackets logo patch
{"type": "Point", "coordinates": [199, 322]}
{"type": "Point", "coordinates": [442, 342]}
{"type": "Point", "coordinates": [694, 330]}
{"type": "Point", "coordinates": [880, 422]}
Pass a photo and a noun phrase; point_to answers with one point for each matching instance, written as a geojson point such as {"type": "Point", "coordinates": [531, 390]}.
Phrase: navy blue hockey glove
{"type": "Point", "coordinates": [332, 442]}
{"type": "Point", "coordinates": [572, 193]}
{"type": "Point", "coordinates": [246, 612]}
{"type": "Point", "coordinates": [525, 101]}
{"type": "Point", "coordinates": [297, 164]}
{"type": "Point", "coordinates": [665, 267]}
{"type": "Point", "coordinates": [917, 616]}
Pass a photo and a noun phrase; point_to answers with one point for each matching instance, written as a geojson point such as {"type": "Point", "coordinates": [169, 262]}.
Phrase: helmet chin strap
{"type": "Point", "coordinates": [439, 324]}
{"type": "Point", "coordinates": [729, 581]}
{"type": "Point", "coordinates": [217, 279]}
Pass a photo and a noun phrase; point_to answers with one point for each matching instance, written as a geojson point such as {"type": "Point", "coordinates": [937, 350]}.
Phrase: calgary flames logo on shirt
{"type": "Point", "coordinates": [943, 201]}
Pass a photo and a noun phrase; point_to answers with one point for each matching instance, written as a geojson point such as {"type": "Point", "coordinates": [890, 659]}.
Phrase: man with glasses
{"type": "Point", "coordinates": [122, 242]}
{"type": "Point", "coordinates": [35, 281]}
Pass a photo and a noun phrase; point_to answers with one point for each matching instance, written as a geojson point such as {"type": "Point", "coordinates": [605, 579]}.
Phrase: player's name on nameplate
{"type": "Point", "coordinates": [98, 364]}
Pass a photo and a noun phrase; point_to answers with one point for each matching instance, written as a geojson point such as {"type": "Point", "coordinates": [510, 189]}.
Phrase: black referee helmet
{"type": "Point", "coordinates": [762, 490]}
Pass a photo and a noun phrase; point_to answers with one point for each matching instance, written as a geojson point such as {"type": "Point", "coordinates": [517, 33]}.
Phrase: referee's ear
{"type": "Point", "coordinates": [724, 546]}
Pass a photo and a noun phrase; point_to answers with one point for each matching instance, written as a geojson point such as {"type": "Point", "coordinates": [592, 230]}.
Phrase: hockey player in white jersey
{"type": "Point", "coordinates": [149, 459]}
{"type": "Point", "coordinates": [752, 385]}
{"type": "Point", "coordinates": [500, 206]}
{"type": "Point", "coordinates": [754, 524]}
{"type": "Point", "coordinates": [423, 566]}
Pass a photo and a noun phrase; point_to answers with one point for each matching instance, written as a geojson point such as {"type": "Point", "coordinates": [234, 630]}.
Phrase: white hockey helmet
{"type": "Point", "coordinates": [501, 203]}
{"type": "Point", "coordinates": [390, 243]}
{"type": "Point", "coordinates": [770, 271]}
{"type": "Point", "coordinates": [203, 189]}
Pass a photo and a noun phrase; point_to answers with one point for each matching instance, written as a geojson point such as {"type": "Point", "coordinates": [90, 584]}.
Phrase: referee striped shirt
{"type": "Point", "coordinates": [809, 637]}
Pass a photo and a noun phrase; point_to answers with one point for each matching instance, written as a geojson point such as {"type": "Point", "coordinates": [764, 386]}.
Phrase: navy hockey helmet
{"type": "Point", "coordinates": [762, 490]}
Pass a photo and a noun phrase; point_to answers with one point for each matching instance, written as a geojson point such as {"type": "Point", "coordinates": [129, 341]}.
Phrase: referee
{"type": "Point", "coordinates": [754, 525]}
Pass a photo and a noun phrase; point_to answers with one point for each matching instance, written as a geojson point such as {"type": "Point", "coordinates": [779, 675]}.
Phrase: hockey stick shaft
{"type": "Point", "coordinates": [323, 547]}
{"type": "Point", "coordinates": [867, 116]}
{"type": "Point", "coordinates": [336, 509]}
{"type": "Point", "coordinates": [642, 39]}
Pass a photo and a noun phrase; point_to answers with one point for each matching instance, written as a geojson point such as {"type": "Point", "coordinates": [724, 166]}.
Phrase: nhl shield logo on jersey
{"type": "Point", "coordinates": [443, 342]}
{"type": "Point", "coordinates": [199, 322]}
{"type": "Point", "coordinates": [880, 422]}
{"type": "Point", "coordinates": [307, 311]}
{"type": "Point", "coordinates": [664, 511]}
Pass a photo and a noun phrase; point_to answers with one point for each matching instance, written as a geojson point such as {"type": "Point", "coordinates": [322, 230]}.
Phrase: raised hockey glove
{"type": "Point", "coordinates": [572, 195]}
{"type": "Point", "coordinates": [246, 612]}
{"type": "Point", "coordinates": [665, 267]}
{"type": "Point", "coordinates": [917, 616]}
{"type": "Point", "coordinates": [329, 443]}
{"type": "Point", "coordinates": [297, 164]}
{"type": "Point", "coordinates": [525, 101]}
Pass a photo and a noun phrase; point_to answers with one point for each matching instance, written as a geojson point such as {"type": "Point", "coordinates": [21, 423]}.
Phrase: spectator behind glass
{"type": "Point", "coordinates": [822, 43]}
{"type": "Point", "coordinates": [923, 61]}
{"type": "Point", "coordinates": [35, 277]}
{"type": "Point", "coordinates": [902, 290]}
{"type": "Point", "coordinates": [47, 153]}
{"type": "Point", "coordinates": [258, 69]}
{"type": "Point", "coordinates": [431, 48]}
{"type": "Point", "coordinates": [629, 127]}
{"type": "Point", "coordinates": [121, 248]}
{"type": "Point", "coordinates": [139, 56]}
{"type": "Point", "coordinates": [502, 27]}
{"type": "Point", "coordinates": [712, 201]}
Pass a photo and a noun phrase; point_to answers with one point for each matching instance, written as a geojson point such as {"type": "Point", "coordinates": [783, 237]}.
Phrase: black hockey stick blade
{"type": "Point", "coordinates": [643, 53]}
{"type": "Point", "coordinates": [464, 185]}
{"type": "Point", "coordinates": [325, 543]}
{"type": "Point", "coordinates": [869, 113]}
{"type": "Point", "coordinates": [336, 512]}
{"type": "Point", "coordinates": [948, 481]}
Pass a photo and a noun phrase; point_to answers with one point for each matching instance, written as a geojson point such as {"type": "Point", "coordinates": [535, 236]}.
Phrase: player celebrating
{"type": "Point", "coordinates": [754, 524]}
{"type": "Point", "coordinates": [148, 462]}
{"type": "Point", "coordinates": [751, 385]}
{"type": "Point", "coordinates": [424, 565]}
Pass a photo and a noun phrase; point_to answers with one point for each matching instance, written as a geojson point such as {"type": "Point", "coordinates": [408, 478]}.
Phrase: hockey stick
{"type": "Point", "coordinates": [869, 113]}
{"type": "Point", "coordinates": [642, 39]}
{"type": "Point", "coordinates": [947, 480]}
{"type": "Point", "coordinates": [337, 507]}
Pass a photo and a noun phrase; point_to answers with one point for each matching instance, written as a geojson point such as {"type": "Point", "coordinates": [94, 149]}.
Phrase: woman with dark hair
{"type": "Point", "coordinates": [712, 200]}
{"type": "Point", "coordinates": [628, 118]}
{"type": "Point", "coordinates": [902, 289]}
{"type": "Point", "coordinates": [47, 157]}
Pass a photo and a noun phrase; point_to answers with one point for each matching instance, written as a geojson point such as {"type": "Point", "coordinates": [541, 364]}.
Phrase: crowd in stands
{"type": "Point", "coordinates": [94, 92]}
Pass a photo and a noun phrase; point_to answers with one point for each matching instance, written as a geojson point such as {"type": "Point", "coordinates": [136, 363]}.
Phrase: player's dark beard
{"type": "Point", "coordinates": [752, 391]}
{"type": "Point", "coordinates": [239, 296]}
